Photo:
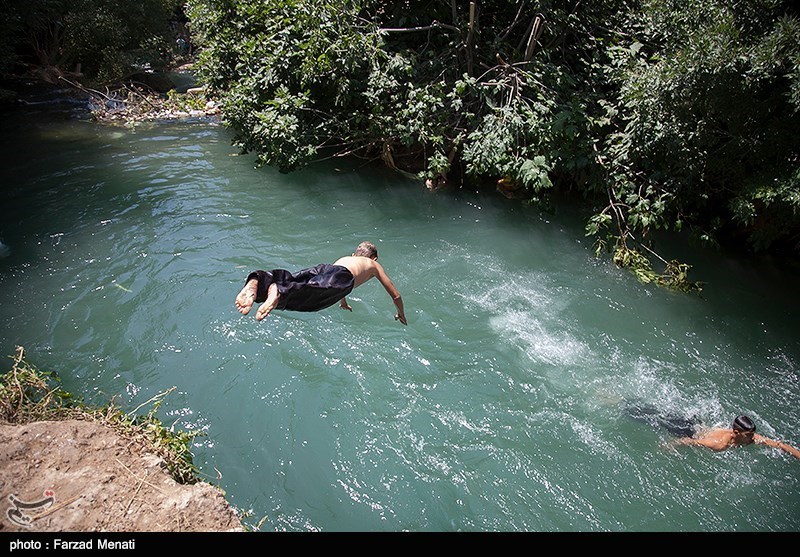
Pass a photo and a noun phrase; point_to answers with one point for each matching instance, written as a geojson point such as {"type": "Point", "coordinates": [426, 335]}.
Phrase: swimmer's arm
{"type": "Point", "coordinates": [686, 441]}
{"type": "Point", "coordinates": [344, 305]}
{"type": "Point", "coordinates": [761, 440]}
{"type": "Point", "coordinates": [392, 291]}
{"type": "Point", "coordinates": [401, 315]}
{"type": "Point", "coordinates": [701, 442]}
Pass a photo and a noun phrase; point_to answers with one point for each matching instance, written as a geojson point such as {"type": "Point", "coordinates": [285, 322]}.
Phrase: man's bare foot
{"type": "Point", "coordinates": [270, 304]}
{"type": "Point", "coordinates": [246, 298]}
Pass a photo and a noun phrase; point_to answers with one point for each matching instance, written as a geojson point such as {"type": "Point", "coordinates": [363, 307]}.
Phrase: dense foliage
{"type": "Point", "coordinates": [706, 132]}
{"type": "Point", "coordinates": [107, 38]}
{"type": "Point", "coordinates": [664, 114]}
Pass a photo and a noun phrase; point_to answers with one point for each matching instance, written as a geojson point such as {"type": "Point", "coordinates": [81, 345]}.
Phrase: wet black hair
{"type": "Point", "coordinates": [743, 423]}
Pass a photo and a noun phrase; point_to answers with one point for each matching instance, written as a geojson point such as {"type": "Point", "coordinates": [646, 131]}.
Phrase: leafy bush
{"type": "Point", "coordinates": [662, 114]}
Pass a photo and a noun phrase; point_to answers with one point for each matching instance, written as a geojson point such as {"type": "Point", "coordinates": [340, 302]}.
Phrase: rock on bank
{"type": "Point", "coordinates": [82, 476]}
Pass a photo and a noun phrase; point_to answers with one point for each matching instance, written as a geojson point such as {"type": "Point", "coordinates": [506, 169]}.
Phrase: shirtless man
{"type": "Point", "coordinates": [318, 287]}
{"type": "Point", "coordinates": [743, 432]}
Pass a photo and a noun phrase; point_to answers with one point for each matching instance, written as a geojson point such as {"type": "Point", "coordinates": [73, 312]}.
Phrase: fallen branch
{"type": "Point", "coordinates": [87, 90]}
{"type": "Point", "coordinates": [137, 477]}
{"type": "Point", "coordinates": [55, 508]}
{"type": "Point", "coordinates": [151, 399]}
{"type": "Point", "coordinates": [138, 489]}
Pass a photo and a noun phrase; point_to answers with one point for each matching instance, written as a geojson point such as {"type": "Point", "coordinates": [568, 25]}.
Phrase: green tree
{"type": "Point", "coordinates": [662, 114]}
{"type": "Point", "coordinates": [292, 74]}
{"type": "Point", "coordinates": [708, 122]}
{"type": "Point", "coordinates": [106, 37]}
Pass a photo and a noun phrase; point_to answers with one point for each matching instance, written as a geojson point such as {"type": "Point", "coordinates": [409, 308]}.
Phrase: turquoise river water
{"type": "Point", "coordinates": [502, 406]}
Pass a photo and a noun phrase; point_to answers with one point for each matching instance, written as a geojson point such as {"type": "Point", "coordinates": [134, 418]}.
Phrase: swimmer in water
{"type": "Point", "coordinates": [742, 432]}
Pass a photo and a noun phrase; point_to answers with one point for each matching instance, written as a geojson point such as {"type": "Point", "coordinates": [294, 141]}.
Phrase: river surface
{"type": "Point", "coordinates": [504, 405]}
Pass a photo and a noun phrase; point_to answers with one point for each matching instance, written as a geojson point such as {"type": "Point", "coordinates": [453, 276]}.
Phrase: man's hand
{"type": "Point", "coordinates": [401, 318]}
{"type": "Point", "coordinates": [344, 305]}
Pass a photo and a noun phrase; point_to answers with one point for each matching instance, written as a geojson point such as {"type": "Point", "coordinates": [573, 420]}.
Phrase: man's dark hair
{"type": "Point", "coordinates": [743, 423]}
{"type": "Point", "coordinates": [367, 249]}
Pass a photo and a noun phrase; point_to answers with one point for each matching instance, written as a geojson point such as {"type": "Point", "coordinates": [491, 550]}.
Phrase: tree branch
{"type": "Point", "coordinates": [513, 23]}
{"type": "Point", "coordinates": [533, 38]}
{"type": "Point", "coordinates": [470, 34]}
{"type": "Point", "coordinates": [434, 25]}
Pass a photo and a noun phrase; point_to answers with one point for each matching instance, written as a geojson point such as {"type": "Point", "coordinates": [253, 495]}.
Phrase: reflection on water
{"type": "Point", "coordinates": [501, 406]}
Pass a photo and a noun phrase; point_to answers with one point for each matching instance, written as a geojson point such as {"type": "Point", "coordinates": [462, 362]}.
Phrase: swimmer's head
{"type": "Point", "coordinates": [744, 430]}
{"type": "Point", "coordinates": [744, 424]}
{"type": "Point", "coordinates": [367, 249]}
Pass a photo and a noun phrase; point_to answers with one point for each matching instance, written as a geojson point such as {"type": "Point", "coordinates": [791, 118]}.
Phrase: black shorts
{"type": "Point", "coordinates": [311, 289]}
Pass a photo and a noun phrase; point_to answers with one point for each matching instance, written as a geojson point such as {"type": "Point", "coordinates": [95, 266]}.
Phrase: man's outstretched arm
{"type": "Point", "coordinates": [395, 295]}
{"type": "Point", "coordinates": [401, 314]}
{"type": "Point", "coordinates": [761, 440]}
